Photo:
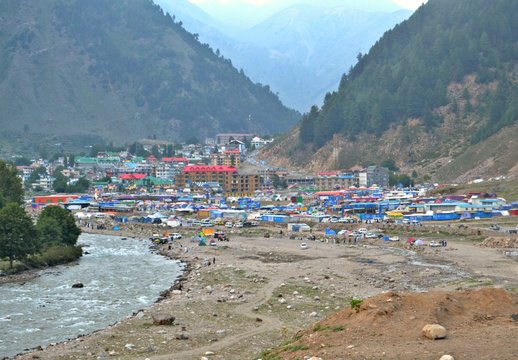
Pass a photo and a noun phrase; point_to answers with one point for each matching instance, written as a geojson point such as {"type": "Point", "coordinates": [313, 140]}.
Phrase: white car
{"type": "Point", "coordinates": [228, 224]}
{"type": "Point", "coordinates": [238, 225]}
{"type": "Point", "coordinates": [304, 246]}
{"type": "Point", "coordinates": [175, 236]}
{"type": "Point", "coordinates": [370, 235]}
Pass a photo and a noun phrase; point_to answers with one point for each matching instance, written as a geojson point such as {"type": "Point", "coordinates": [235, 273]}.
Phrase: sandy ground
{"type": "Point", "coordinates": [261, 291]}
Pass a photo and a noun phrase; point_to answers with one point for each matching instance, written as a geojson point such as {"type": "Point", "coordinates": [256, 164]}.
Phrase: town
{"type": "Point", "coordinates": [222, 180]}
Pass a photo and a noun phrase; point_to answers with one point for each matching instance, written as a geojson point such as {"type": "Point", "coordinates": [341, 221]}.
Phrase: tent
{"type": "Point", "coordinates": [330, 232]}
{"type": "Point", "coordinates": [410, 240]}
{"type": "Point", "coordinates": [419, 242]}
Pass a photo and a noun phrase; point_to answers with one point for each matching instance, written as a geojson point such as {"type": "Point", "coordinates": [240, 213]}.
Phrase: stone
{"type": "Point", "coordinates": [181, 336]}
{"type": "Point", "coordinates": [282, 301]}
{"type": "Point", "coordinates": [446, 357]}
{"type": "Point", "coordinates": [163, 319]}
{"type": "Point", "coordinates": [176, 292]}
{"type": "Point", "coordinates": [208, 353]}
{"type": "Point", "coordinates": [434, 331]}
{"type": "Point", "coordinates": [258, 319]}
{"type": "Point", "coordinates": [78, 286]}
{"type": "Point", "coordinates": [313, 314]}
{"type": "Point", "coordinates": [315, 358]}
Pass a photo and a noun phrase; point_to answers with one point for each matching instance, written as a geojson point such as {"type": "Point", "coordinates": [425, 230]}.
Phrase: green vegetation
{"type": "Point", "coordinates": [355, 303]}
{"type": "Point", "coordinates": [406, 73]}
{"type": "Point", "coordinates": [11, 190]}
{"type": "Point", "coordinates": [61, 184]}
{"type": "Point", "coordinates": [320, 327]}
{"type": "Point", "coordinates": [51, 241]}
{"type": "Point", "coordinates": [18, 236]}
{"type": "Point", "coordinates": [121, 70]}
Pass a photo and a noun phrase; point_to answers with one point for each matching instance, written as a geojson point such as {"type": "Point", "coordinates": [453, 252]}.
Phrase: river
{"type": "Point", "coordinates": [119, 277]}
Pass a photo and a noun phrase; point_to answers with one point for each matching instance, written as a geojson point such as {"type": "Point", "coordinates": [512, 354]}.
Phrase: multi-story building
{"type": "Point", "coordinates": [334, 181]}
{"type": "Point", "coordinates": [374, 175]}
{"type": "Point", "coordinates": [230, 180]}
{"type": "Point", "coordinates": [226, 158]}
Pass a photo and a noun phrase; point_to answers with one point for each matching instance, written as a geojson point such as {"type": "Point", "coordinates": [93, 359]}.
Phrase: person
{"type": "Point", "coordinates": [214, 260]}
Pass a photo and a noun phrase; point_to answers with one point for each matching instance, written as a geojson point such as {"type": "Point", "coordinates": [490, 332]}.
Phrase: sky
{"type": "Point", "coordinates": [408, 4]}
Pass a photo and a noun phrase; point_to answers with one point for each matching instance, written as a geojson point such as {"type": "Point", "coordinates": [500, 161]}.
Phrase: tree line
{"type": "Point", "coordinates": [50, 240]}
{"type": "Point", "coordinates": [406, 73]}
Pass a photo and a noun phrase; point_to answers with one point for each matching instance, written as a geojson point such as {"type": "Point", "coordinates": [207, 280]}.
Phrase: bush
{"type": "Point", "coordinates": [355, 303]}
{"type": "Point", "coordinates": [55, 255]}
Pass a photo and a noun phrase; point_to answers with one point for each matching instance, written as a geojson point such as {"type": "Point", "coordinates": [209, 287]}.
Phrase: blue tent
{"type": "Point", "coordinates": [330, 232]}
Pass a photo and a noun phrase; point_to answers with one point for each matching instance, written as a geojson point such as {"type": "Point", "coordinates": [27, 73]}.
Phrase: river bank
{"type": "Point", "coordinates": [76, 299]}
{"type": "Point", "coordinates": [252, 293]}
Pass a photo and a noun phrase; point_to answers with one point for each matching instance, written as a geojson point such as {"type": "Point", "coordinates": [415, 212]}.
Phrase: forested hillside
{"type": "Point", "coordinates": [406, 73]}
{"type": "Point", "coordinates": [121, 70]}
{"type": "Point", "coordinates": [437, 95]}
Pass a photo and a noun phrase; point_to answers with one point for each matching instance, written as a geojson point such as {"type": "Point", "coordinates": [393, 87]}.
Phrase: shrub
{"type": "Point", "coordinates": [355, 303]}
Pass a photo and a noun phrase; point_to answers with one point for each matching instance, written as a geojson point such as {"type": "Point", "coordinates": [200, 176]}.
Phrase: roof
{"type": "Point", "coordinates": [208, 168]}
{"type": "Point", "coordinates": [132, 176]}
{"type": "Point", "coordinates": [327, 173]}
{"type": "Point", "coordinates": [233, 151]}
{"type": "Point", "coordinates": [153, 181]}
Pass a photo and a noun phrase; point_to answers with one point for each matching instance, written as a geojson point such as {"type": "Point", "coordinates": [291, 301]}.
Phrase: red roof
{"type": "Point", "coordinates": [175, 159]}
{"type": "Point", "coordinates": [208, 168]}
{"type": "Point", "coordinates": [132, 176]}
{"type": "Point", "coordinates": [232, 151]}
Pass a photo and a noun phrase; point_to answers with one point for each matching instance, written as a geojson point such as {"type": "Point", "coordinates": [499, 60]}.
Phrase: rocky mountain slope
{"type": "Point", "coordinates": [438, 94]}
{"type": "Point", "coordinates": [120, 71]}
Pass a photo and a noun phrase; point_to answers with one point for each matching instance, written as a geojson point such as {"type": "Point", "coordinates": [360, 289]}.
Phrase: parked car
{"type": "Point", "coordinates": [238, 225]}
{"type": "Point", "coordinates": [175, 236]}
{"type": "Point", "coordinates": [370, 235]}
{"type": "Point", "coordinates": [207, 222]}
{"type": "Point", "coordinates": [304, 246]}
{"type": "Point", "coordinates": [229, 224]}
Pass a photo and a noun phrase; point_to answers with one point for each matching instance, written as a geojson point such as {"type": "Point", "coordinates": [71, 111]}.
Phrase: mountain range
{"type": "Point", "coordinates": [121, 71]}
{"type": "Point", "coordinates": [299, 48]}
{"type": "Point", "coordinates": [437, 96]}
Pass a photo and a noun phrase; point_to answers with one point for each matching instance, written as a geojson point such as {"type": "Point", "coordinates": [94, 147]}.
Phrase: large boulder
{"type": "Point", "coordinates": [434, 331]}
{"type": "Point", "coordinates": [163, 319]}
